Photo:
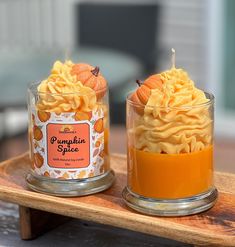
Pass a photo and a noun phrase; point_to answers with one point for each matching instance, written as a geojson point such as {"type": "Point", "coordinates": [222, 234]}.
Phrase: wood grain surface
{"type": "Point", "coordinates": [214, 227]}
{"type": "Point", "coordinates": [75, 233]}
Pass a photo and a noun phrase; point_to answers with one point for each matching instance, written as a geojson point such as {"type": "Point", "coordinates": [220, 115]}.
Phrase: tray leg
{"type": "Point", "coordinates": [34, 223]}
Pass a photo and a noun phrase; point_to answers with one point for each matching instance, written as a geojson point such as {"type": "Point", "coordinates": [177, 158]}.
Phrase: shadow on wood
{"type": "Point", "coordinates": [35, 222]}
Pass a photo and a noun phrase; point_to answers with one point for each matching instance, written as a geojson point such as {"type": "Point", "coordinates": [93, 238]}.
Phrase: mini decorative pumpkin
{"type": "Point", "coordinates": [153, 81]}
{"type": "Point", "coordinates": [90, 77]}
{"type": "Point", "coordinates": [142, 93]}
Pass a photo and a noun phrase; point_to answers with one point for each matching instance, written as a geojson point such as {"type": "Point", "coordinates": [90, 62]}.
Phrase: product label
{"type": "Point", "coordinates": [68, 145]}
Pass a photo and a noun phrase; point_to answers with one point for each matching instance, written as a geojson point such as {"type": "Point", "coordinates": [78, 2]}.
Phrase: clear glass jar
{"type": "Point", "coordinates": [170, 158]}
{"type": "Point", "coordinates": [69, 145]}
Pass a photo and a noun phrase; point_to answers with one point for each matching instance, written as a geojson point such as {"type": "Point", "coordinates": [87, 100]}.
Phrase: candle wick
{"type": "Point", "coordinates": [173, 58]}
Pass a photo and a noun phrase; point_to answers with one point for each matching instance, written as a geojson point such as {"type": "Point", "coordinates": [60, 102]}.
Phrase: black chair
{"type": "Point", "coordinates": [129, 28]}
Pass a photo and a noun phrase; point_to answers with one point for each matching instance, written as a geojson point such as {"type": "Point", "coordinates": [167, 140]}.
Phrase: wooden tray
{"type": "Point", "coordinates": [215, 227]}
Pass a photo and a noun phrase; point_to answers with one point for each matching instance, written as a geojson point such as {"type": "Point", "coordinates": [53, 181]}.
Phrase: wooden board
{"type": "Point", "coordinates": [214, 227]}
{"type": "Point", "coordinates": [75, 232]}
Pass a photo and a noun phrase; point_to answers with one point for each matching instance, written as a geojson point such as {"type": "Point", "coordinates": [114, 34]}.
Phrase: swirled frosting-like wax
{"type": "Point", "coordinates": [176, 118]}
{"type": "Point", "coordinates": [61, 92]}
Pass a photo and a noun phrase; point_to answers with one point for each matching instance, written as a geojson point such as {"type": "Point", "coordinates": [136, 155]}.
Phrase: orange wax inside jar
{"type": "Point", "coordinates": [170, 176]}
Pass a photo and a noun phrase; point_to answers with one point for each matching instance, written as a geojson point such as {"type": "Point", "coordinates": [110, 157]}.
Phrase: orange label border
{"type": "Point", "coordinates": [90, 146]}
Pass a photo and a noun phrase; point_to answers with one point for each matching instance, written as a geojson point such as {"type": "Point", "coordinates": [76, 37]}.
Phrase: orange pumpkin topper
{"type": "Point", "coordinates": [141, 95]}
{"type": "Point", "coordinates": [90, 77]}
{"type": "Point", "coordinates": [153, 81]}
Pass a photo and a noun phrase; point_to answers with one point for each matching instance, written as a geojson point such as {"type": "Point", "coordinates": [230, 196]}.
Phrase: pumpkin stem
{"type": "Point", "coordinates": [95, 71]}
{"type": "Point", "coordinates": [139, 82]}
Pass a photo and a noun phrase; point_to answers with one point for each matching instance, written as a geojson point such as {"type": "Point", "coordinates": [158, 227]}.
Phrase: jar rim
{"type": "Point", "coordinates": [208, 95]}
{"type": "Point", "coordinates": [32, 88]}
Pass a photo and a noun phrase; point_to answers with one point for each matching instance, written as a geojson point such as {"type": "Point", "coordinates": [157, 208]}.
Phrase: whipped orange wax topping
{"type": "Point", "coordinates": [177, 90]}
{"type": "Point", "coordinates": [61, 92]}
{"type": "Point", "coordinates": [174, 121]}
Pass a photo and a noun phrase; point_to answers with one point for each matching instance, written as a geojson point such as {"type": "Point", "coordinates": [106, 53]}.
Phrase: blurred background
{"type": "Point", "coordinates": [129, 40]}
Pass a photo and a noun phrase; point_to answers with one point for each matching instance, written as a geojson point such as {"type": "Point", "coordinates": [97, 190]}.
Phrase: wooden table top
{"type": "Point", "coordinates": [212, 227]}
{"type": "Point", "coordinates": [87, 233]}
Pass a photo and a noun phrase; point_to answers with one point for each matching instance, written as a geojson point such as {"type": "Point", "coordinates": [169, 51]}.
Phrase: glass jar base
{"type": "Point", "coordinates": [175, 207]}
{"type": "Point", "coordinates": [70, 188]}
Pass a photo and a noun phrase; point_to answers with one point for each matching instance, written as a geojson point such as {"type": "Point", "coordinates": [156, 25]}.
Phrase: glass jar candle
{"type": "Point", "coordinates": [69, 145]}
{"type": "Point", "coordinates": [170, 158]}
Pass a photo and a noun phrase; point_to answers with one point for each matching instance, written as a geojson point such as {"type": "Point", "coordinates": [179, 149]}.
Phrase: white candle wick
{"type": "Point", "coordinates": [173, 58]}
